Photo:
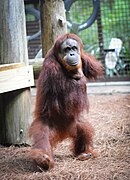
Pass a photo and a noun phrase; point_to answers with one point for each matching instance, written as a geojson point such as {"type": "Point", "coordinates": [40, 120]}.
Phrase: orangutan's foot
{"type": "Point", "coordinates": [42, 159]}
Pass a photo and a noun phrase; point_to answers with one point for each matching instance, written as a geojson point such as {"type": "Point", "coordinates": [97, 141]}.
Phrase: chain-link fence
{"type": "Point", "coordinates": [108, 36]}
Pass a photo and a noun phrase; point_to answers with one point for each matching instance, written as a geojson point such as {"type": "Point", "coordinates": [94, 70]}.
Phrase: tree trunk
{"type": "Point", "coordinates": [14, 106]}
{"type": "Point", "coordinates": [53, 22]}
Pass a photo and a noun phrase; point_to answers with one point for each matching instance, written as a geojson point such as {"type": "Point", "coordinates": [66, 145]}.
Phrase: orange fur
{"type": "Point", "coordinates": [60, 101]}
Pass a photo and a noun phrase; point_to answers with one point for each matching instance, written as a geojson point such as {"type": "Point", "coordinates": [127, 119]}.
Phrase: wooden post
{"type": "Point", "coordinates": [53, 22]}
{"type": "Point", "coordinates": [15, 106]}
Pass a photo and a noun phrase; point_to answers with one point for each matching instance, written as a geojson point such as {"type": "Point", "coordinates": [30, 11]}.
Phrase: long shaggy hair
{"type": "Point", "coordinates": [60, 101]}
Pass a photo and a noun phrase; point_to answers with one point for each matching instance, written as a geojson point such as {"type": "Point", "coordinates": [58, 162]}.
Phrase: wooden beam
{"type": "Point", "coordinates": [37, 66]}
{"type": "Point", "coordinates": [16, 78]}
{"type": "Point", "coordinates": [37, 63]}
{"type": "Point", "coordinates": [4, 67]}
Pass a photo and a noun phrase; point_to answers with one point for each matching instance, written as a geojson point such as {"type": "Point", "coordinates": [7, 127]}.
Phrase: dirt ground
{"type": "Point", "coordinates": [110, 115]}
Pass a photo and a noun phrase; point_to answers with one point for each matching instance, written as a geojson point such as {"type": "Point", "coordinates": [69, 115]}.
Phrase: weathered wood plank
{"type": "Point", "coordinates": [37, 66]}
{"type": "Point", "coordinates": [4, 67]}
{"type": "Point", "coordinates": [14, 79]}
